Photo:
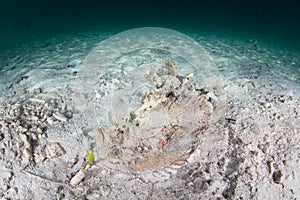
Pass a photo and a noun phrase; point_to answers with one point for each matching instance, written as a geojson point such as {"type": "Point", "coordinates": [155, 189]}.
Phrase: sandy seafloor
{"type": "Point", "coordinates": [252, 152]}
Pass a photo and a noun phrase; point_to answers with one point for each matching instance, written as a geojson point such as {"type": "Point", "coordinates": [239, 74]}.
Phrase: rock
{"type": "Point", "coordinates": [68, 114]}
{"type": "Point", "coordinates": [35, 100]}
{"type": "Point", "coordinates": [194, 157]}
{"type": "Point", "coordinates": [37, 91]}
{"type": "Point", "coordinates": [277, 177]}
{"type": "Point", "coordinates": [268, 105]}
{"type": "Point", "coordinates": [39, 130]}
{"type": "Point", "coordinates": [34, 119]}
{"type": "Point", "coordinates": [50, 120]}
{"type": "Point", "coordinates": [77, 178]}
{"type": "Point", "coordinates": [270, 166]}
{"type": "Point", "coordinates": [41, 135]}
{"type": "Point", "coordinates": [60, 117]}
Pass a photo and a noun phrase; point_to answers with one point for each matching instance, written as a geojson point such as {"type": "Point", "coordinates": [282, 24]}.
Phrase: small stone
{"type": "Point", "coordinates": [22, 129]}
{"type": "Point", "coordinates": [33, 136]}
{"type": "Point", "coordinates": [9, 144]}
{"type": "Point", "coordinates": [270, 166]}
{"type": "Point", "coordinates": [37, 91]}
{"type": "Point", "coordinates": [60, 117]}
{"type": "Point", "coordinates": [39, 130]}
{"type": "Point", "coordinates": [34, 119]}
{"type": "Point", "coordinates": [77, 178]}
{"type": "Point", "coordinates": [50, 121]}
{"type": "Point", "coordinates": [41, 135]}
{"type": "Point", "coordinates": [46, 105]}
{"type": "Point", "coordinates": [35, 100]}
{"type": "Point", "coordinates": [282, 98]}
{"type": "Point", "coordinates": [277, 177]}
{"type": "Point", "coordinates": [115, 81]}
{"type": "Point", "coordinates": [68, 114]}
{"type": "Point", "coordinates": [267, 105]}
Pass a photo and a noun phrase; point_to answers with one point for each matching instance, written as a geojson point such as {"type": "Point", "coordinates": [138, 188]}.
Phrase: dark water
{"type": "Point", "coordinates": [274, 22]}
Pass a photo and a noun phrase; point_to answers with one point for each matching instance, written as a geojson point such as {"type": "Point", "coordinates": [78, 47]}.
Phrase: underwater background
{"type": "Point", "coordinates": [219, 120]}
{"type": "Point", "coordinates": [275, 23]}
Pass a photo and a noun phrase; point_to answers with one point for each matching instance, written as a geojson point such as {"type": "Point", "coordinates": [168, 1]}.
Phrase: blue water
{"type": "Point", "coordinates": [276, 23]}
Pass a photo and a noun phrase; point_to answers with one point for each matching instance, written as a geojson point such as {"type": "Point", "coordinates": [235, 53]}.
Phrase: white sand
{"type": "Point", "coordinates": [251, 153]}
